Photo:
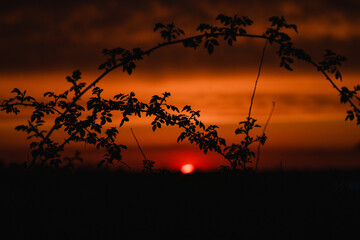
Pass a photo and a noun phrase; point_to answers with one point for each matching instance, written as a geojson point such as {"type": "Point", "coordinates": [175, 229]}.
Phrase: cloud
{"type": "Point", "coordinates": [57, 35]}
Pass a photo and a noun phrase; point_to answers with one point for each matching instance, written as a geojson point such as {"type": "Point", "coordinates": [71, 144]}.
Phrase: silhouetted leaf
{"type": "Point", "coordinates": [350, 116]}
{"type": "Point", "coordinates": [100, 163]}
{"type": "Point", "coordinates": [16, 90]}
{"type": "Point", "coordinates": [210, 48]}
{"type": "Point", "coordinates": [158, 26]}
{"type": "Point", "coordinates": [338, 75]}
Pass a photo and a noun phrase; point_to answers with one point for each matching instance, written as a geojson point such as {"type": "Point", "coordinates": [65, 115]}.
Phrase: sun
{"type": "Point", "coordinates": [187, 168]}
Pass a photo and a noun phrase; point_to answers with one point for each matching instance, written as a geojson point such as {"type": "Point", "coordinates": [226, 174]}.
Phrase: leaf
{"type": "Point", "coordinates": [247, 20]}
{"type": "Point", "coordinates": [210, 49]}
{"type": "Point", "coordinates": [102, 66]}
{"type": "Point", "coordinates": [100, 163]}
{"type": "Point", "coordinates": [274, 20]}
{"type": "Point", "coordinates": [21, 128]}
{"type": "Point", "coordinates": [186, 108]}
{"type": "Point", "coordinates": [33, 144]}
{"type": "Point", "coordinates": [338, 75]}
{"type": "Point", "coordinates": [350, 116]}
{"type": "Point", "coordinates": [180, 138]}
{"type": "Point", "coordinates": [158, 25]}
{"type": "Point", "coordinates": [76, 75]}
{"type": "Point", "coordinates": [214, 42]}
{"type": "Point", "coordinates": [129, 70]}
{"type": "Point", "coordinates": [49, 93]}
{"type": "Point", "coordinates": [203, 27]}
{"type": "Point", "coordinates": [16, 90]}
{"type": "Point", "coordinates": [293, 26]}
{"type": "Point", "coordinates": [205, 150]}
{"type": "Point", "coordinates": [220, 17]}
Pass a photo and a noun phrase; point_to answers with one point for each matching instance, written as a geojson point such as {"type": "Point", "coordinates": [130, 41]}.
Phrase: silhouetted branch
{"type": "Point", "coordinates": [207, 138]}
{"type": "Point", "coordinates": [257, 78]}
{"type": "Point", "coordinates": [138, 144]}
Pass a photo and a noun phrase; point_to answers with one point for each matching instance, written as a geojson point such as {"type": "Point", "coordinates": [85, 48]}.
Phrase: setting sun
{"type": "Point", "coordinates": [187, 168]}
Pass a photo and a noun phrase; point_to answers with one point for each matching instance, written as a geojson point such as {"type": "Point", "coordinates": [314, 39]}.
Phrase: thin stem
{"type": "Point", "coordinates": [257, 78]}
{"type": "Point", "coordinates": [265, 126]}
{"type": "Point", "coordinates": [138, 143]}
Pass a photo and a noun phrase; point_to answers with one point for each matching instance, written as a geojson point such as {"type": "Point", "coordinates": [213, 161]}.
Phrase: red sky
{"type": "Point", "coordinates": [44, 42]}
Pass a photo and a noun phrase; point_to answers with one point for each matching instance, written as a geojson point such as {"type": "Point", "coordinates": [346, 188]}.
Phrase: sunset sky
{"type": "Point", "coordinates": [42, 42]}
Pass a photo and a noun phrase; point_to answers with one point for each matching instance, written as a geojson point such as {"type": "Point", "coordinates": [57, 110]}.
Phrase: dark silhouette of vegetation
{"type": "Point", "coordinates": [53, 204]}
{"type": "Point", "coordinates": [89, 123]}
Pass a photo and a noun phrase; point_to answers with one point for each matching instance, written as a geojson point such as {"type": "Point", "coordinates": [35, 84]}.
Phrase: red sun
{"type": "Point", "coordinates": [187, 168]}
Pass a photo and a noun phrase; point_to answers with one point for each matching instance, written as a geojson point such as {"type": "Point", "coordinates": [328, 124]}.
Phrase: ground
{"type": "Point", "coordinates": [53, 204]}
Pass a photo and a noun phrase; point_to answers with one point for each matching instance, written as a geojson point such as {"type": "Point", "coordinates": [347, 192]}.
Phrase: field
{"type": "Point", "coordinates": [57, 204]}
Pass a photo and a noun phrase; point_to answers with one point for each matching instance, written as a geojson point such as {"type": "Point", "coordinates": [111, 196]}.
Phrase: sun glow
{"type": "Point", "coordinates": [187, 168]}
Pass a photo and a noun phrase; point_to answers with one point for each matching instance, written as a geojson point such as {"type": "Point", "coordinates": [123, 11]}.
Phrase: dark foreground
{"type": "Point", "coordinates": [100, 205]}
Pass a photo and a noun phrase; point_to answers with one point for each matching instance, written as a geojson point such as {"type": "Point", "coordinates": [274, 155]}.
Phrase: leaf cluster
{"type": "Point", "coordinates": [240, 154]}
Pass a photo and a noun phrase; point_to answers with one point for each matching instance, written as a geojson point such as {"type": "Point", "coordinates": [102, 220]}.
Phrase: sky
{"type": "Point", "coordinates": [44, 41]}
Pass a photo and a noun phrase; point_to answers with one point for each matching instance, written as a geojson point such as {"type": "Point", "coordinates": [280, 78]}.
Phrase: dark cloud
{"type": "Point", "coordinates": [56, 35]}
{"type": "Point", "coordinates": [287, 102]}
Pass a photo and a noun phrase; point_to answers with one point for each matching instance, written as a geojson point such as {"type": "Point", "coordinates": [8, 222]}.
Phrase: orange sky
{"type": "Point", "coordinates": [44, 42]}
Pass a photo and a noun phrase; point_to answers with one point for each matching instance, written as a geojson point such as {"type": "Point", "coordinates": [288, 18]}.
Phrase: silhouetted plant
{"type": "Point", "coordinates": [88, 123]}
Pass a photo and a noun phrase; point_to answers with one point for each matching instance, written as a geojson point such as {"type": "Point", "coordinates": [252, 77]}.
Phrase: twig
{"type": "Point", "coordinates": [138, 144]}
{"type": "Point", "coordinates": [266, 124]}
{"type": "Point", "coordinates": [257, 78]}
